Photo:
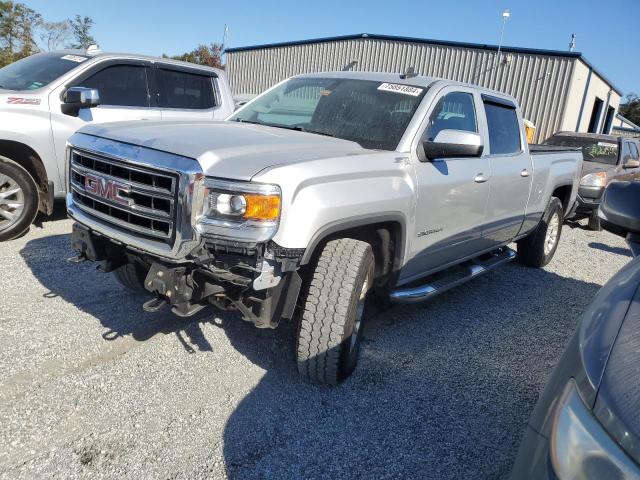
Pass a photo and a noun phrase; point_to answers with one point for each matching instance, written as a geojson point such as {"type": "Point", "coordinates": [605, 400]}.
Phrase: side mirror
{"type": "Point", "coordinates": [453, 144]}
{"type": "Point", "coordinates": [620, 209]}
{"type": "Point", "coordinates": [76, 98]}
{"type": "Point", "coordinates": [631, 163]}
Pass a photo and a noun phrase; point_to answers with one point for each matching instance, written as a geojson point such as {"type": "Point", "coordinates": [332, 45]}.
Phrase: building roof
{"type": "Point", "coordinates": [448, 43]}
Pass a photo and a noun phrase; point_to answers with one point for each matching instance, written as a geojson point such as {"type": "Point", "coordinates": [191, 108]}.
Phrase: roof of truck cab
{"type": "Point", "coordinates": [417, 80]}
{"type": "Point", "coordinates": [99, 54]}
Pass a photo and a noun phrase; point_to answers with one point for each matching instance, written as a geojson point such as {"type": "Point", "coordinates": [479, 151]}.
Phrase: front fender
{"type": "Point", "coordinates": [321, 197]}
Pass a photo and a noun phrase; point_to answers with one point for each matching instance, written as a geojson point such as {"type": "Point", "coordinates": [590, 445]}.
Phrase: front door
{"type": "Point", "coordinates": [124, 95]}
{"type": "Point", "coordinates": [452, 193]}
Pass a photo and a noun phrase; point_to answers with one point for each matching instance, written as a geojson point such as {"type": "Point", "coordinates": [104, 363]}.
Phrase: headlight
{"type": "Point", "coordinates": [598, 179]}
{"type": "Point", "coordinates": [581, 447]}
{"type": "Point", "coordinates": [240, 211]}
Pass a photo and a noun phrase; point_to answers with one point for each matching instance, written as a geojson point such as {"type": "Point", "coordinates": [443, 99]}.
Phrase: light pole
{"type": "Point", "coordinates": [505, 16]}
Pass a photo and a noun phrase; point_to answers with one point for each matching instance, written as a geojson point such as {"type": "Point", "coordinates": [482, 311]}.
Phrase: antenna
{"type": "Point", "coordinates": [409, 73]}
{"type": "Point", "coordinates": [572, 43]}
{"type": "Point", "coordinates": [505, 16]}
{"type": "Point", "coordinates": [350, 66]}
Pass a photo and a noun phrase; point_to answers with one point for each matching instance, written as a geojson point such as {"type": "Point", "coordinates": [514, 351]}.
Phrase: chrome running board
{"type": "Point", "coordinates": [452, 277]}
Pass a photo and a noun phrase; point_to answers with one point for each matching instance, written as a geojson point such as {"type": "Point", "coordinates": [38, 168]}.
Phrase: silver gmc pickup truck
{"type": "Point", "coordinates": [326, 195]}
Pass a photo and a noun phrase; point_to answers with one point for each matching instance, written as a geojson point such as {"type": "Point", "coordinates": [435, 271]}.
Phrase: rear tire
{"type": "Point", "coordinates": [18, 200]}
{"type": "Point", "coordinates": [594, 222]}
{"type": "Point", "coordinates": [331, 325]}
{"type": "Point", "coordinates": [131, 276]}
{"type": "Point", "coordinates": [537, 249]}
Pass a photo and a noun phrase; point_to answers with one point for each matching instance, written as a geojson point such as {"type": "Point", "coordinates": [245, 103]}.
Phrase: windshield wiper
{"type": "Point", "coordinates": [298, 128]}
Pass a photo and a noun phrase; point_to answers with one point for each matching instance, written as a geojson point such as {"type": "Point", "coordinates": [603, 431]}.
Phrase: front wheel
{"type": "Point", "coordinates": [131, 276]}
{"type": "Point", "coordinates": [331, 324]}
{"type": "Point", "coordinates": [18, 200]}
{"type": "Point", "coordinates": [537, 248]}
{"type": "Point", "coordinates": [594, 221]}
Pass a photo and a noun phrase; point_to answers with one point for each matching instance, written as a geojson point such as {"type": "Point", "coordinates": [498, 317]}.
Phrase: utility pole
{"type": "Point", "coordinates": [505, 16]}
{"type": "Point", "coordinates": [572, 43]}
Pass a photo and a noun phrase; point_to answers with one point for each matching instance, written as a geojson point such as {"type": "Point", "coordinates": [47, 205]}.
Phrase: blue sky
{"type": "Point", "coordinates": [607, 31]}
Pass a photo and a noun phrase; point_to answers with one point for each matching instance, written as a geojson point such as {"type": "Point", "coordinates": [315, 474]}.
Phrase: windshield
{"type": "Point", "coordinates": [593, 150]}
{"type": "Point", "coordinates": [373, 114]}
{"type": "Point", "coordinates": [37, 71]}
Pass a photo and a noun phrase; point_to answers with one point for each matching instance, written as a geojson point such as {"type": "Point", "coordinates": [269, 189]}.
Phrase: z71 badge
{"type": "Point", "coordinates": [23, 101]}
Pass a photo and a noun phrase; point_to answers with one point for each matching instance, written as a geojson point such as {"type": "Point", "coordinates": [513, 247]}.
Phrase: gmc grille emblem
{"type": "Point", "coordinates": [111, 190]}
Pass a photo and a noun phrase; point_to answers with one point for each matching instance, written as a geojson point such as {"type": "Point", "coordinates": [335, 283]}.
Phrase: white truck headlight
{"type": "Point", "coordinates": [598, 179]}
{"type": "Point", "coordinates": [581, 447]}
{"type": "Point", "coordinates": [241, 211]}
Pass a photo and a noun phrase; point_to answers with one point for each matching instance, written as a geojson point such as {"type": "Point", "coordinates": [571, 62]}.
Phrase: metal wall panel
{"type": "Point", "coordinates": [540, 83]}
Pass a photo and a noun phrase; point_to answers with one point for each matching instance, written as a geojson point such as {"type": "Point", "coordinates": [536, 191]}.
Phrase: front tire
{"type": "Point", "coordinates": [18, 200]}
{"type": "Point", "coordinates": [594, 222]}
{"type": "Point", "coordinates": [131, 276]}
{"type": "Point", "coordinates": [538, 248]}
{"type": "Point", "coordinates": [330, 328]}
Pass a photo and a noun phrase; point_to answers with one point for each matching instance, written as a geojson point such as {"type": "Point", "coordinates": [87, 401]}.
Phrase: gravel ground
{"type": "Point", "coordinates": [92, 387]}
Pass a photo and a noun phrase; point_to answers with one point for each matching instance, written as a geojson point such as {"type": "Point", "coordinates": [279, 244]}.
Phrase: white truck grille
{"type": "Point", "coordinates": [136, 199]}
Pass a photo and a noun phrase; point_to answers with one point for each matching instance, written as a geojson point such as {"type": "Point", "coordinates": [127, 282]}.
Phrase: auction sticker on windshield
{"type": "Point", "coordinates": [404, 89]}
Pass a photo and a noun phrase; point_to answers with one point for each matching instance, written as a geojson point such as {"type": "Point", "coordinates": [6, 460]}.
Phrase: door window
{"type": "Point", "coordinates": [120, 85]}
{"type": "Point", "coordinates": [184, 90]}
{"type": "Point", "coordinates": [454, 111]}
{"type": "Point", "coordinates": [626, 151]}
{"type": "Point", "coordinates": [504, 129]}
{"type": "Point", "coordinates": [634, 151]}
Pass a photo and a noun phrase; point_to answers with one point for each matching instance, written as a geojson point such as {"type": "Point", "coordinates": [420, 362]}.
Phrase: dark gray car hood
{"type": "Point", "coordinates": [592, 167]}
{"type": "Point", "coordinates": [227, 149]}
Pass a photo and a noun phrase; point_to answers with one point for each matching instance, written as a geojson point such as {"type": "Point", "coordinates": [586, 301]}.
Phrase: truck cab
{"type": "Point", "coordinates": [45, 98]}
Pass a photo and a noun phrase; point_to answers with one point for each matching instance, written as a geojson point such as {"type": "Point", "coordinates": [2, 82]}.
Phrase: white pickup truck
{"type": "Point", "coordinates": [45, 98]}
{"type": "Point", "coordinates": [325, 192]}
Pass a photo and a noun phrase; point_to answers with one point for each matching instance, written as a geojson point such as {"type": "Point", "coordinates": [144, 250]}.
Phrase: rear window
{"type": "Point", "coordinates": [38, 70]}
{"type": "Point", "coordinates": [504, 130]}
{"type": "Point", "coordinates": [593, 150]}
{"type": "Point", "coordinates": [185, 90]}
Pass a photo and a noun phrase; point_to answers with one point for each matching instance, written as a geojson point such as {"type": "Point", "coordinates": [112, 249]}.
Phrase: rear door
{"type": "Point", "coordinates": [511, 170]}
{"type": "Point", "coordinates": [186, 94]}
{"type": "Point", "coordinates": [451, 192]}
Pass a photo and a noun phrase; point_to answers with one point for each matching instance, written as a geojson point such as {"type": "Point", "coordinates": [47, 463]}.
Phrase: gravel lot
{"type": "Point", "coordinates": [92, 387]}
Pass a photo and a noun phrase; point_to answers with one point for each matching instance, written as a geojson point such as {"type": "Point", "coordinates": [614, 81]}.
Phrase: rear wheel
{"type": "Point", "coordinates": [331, 325]}
{"type": "Point", "coordinates": [18, 199]}
{"type": "Point", "coordinates": [537, 249]}
{"type": "Point", "coordinates": [131, 276]}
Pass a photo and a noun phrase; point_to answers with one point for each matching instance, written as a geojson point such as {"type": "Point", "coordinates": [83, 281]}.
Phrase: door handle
{"type": "Point", "coordinates": [524, 173]}
{"type": "Point", "coordinates": [481, 178]}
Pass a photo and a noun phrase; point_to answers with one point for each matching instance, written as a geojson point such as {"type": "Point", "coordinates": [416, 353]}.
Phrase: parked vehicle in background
{"type": "Point", "coordinates": [606, 158]}
{"type": "Point", "coordinates": [340, 187]}
{"type": "Point", "coordinates": [45, 98]}
{"type": "Point", "coordinates": [586, 422]}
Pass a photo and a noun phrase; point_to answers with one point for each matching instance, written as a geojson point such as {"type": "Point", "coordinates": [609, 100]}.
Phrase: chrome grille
{"type": "Point", "coordinates": [146, 206]}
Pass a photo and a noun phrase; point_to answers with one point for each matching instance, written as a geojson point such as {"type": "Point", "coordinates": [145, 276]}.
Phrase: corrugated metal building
{"type": "Point", "coordinates": [625, 127]}
{"type": "Point", "coordinates": [557, 90]}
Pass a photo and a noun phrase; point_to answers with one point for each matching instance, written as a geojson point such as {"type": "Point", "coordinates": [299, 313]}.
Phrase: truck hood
{"type": "Point", "coordinates": [592, 167]}
{"type": "Point", "coordinates": [227, 149]}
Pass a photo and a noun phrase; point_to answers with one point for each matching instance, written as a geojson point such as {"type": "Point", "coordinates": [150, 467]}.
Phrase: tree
{"type": "Point", "coordinates": [18, 24]}
{"type": "Point", "coordinates": [55, 35]}
{"type": "Point", "coordinates": [81, 29]}
{"type": "Point", "coordinates": [209, 55]}
{"type": "Point", "coordinates": [630, 109]}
